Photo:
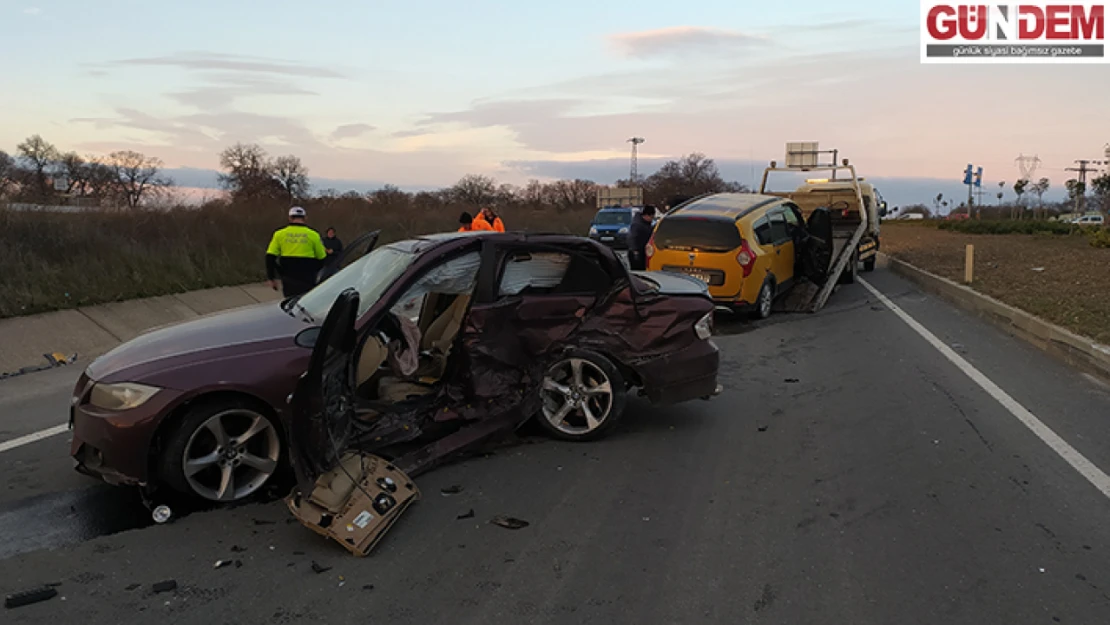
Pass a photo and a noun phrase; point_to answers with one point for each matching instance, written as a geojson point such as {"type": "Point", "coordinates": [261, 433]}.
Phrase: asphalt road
{"type": "Point", "coordinates": [850, 473]}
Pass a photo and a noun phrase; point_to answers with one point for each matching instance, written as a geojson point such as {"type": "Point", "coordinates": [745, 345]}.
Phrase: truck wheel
{"type": "Point", "coordinates": [869, 264]}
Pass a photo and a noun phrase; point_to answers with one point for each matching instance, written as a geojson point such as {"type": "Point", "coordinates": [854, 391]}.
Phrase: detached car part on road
{"type": "Point", "coordinates": [428, 346]}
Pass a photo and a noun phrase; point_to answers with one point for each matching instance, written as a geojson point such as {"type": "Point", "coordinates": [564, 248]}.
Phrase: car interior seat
{"type": "Point", "coordinates": [435, 346]}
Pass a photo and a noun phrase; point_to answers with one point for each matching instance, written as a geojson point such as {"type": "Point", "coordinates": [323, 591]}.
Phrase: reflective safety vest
{"type": "Point", "coordinates": [297, 241]}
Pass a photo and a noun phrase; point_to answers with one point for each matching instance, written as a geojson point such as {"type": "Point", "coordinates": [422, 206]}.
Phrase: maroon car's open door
{"type": "Point", "coordinates": [321, 408]}
{"type": "Point", "coordinates": [355, 250]}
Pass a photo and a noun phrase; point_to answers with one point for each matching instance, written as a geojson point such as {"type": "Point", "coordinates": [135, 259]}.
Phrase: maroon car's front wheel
{"type": "Point", "coordinates": [583, 397]}
{"type": "Point", "coordinates": [222, 452]}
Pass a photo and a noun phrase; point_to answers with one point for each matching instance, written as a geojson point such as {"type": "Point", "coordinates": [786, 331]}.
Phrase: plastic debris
{"type": "Point", "coordinates": [166, 586]}
{"type": "Point", "coordinates": [451, 490]}
{"type": "Point", "coordinates": [316, 568]}
{"type": "Point", "coordinates": [509, 522]}
{"type": "Point", "coordinates": [466, 515]}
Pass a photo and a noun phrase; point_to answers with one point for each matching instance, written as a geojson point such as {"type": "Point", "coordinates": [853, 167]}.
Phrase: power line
{"type": "Point", "coordinates": [1080, 199]}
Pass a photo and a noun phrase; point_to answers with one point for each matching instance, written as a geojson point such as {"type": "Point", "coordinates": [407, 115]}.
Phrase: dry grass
{"type": "Point", "coordinates": [53, 261]}
{"type": "Point", "coordinates": [1060, 278]}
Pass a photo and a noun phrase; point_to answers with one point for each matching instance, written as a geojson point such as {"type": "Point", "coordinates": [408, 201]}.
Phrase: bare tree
{"type": "Point", "coordinates": [570, 194]}
{"type": "Point", "coordinates": [138, 175]}
{"type": "Point", "coordinates": [248, 173]}
{"type": "Point", "coordinates": [475, 190]}
{"type": "Point", "coordinates": [389, 195]}
{"type": "Point", "coordinates": [9, 174]}
{"type": "Point", "coordinates": [42, 158]}
{"type": "Point", "coordinates": [292, 175]}
{"type": "Point", "coordinates": [692, 175]}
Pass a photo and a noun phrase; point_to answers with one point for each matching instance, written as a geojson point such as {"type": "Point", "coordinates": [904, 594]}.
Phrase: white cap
{"type": "Point", "coordinates": [296, 211]}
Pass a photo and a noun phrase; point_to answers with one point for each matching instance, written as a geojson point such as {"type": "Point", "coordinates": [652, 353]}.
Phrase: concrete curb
{"type": "Point", "coordinates": [94, 330]}
{"type": "Point", "coordinates": [1078, 351]}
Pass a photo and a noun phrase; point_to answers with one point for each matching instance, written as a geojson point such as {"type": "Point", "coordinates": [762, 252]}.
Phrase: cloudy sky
{"type": "Point", "coordinates": [419, 93]}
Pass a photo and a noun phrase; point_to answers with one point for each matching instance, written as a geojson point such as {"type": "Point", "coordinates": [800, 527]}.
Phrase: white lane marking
{"type": "Point", "coordinates": [1078, 461]}
{"type": "Point", "coordinates": [31, 438]}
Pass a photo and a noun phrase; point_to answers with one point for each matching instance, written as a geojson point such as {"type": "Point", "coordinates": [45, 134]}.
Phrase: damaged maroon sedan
{"type": "Point", "coordinates": [428, 347]}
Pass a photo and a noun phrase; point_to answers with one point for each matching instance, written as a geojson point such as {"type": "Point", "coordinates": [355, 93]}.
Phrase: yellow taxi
{"type": "Point", "coordinates": [744, 246]}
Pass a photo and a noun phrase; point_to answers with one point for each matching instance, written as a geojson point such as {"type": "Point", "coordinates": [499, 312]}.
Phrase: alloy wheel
{"type": "Point", "coordinates": [577, 396]}
{"type": "Point", "coordinates": [766, 300]}
{"type": "Point", "coordinates": [231, 455]}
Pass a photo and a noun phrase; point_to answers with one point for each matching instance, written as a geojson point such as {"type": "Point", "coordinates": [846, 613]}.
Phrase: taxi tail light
{"type": "Point", "coordinates": [649, 249]}
{"type": "Point", "coordinates": [746, 258]}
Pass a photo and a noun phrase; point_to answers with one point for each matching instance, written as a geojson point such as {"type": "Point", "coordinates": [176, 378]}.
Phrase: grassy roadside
{"type": "Point", "coordinates": [1061, 278]}
{"type": "Point", "coordinates": [54, 261]}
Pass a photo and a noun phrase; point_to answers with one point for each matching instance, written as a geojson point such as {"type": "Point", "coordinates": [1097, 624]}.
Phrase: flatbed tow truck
{"type": "Point", "coordinates": [852, 227]}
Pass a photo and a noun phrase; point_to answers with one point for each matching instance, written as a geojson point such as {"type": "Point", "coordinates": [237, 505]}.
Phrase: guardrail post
{"type": "Point", "coordinates": [969, 263]}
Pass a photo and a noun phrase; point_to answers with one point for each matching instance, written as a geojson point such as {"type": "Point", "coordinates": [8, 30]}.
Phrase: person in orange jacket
{"type": "Point", "coordinates": [467, 223]}
{"type": "Point", "coordinates": [488, 220]}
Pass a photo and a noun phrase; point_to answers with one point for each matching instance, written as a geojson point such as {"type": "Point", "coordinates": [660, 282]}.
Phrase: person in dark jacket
{"type": "Point", "coordinates": [639, 233]}
{"type": "Point", "coordinates": [332, 245]}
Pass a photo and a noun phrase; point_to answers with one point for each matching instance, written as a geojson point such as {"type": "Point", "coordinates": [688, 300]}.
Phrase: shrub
{"type": "Point", "coordinates": [54, 261]}
{"type": "Point", "coordinates": [998, 226]}
{"type": "Point", "coordinates": [1100, 238]}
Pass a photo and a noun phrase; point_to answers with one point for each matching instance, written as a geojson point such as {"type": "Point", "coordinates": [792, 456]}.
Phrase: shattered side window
{"type": "Point", "coordinates": [543, 270]}
{"type": "Point", "coordinates": [455, 277]}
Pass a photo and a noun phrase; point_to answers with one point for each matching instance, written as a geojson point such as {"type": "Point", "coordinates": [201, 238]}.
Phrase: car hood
{"type": "Point", "coordinates": [673, 283]}
{"type": "Point", "coordinates": [233, 332]}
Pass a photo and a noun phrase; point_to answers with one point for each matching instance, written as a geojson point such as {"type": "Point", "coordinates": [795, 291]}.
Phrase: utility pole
{"type": "Point", "coordinates": [1081, 187]}
{"type": "Point", "coordinates": [633, 176]}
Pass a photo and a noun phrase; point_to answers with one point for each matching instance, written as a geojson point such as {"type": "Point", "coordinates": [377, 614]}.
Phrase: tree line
{"type": "Point", "coordinates": [250, 175]}
{"type": "Point", "coordinates": [40, 173]}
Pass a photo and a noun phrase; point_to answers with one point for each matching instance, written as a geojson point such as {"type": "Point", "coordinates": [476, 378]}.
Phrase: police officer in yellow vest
{"type": "Point", "coordinates": [296, 254]}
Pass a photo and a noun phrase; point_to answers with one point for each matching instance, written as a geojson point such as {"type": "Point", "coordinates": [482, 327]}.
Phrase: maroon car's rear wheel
{"type": "Point", "coordinates": [582, 396]}
{"type": "Point", "coordinates": [222, 451]}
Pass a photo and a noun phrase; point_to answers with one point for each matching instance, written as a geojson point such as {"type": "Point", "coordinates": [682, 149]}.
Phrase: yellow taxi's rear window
{"type": "Point", "coordinates": [690, 232]}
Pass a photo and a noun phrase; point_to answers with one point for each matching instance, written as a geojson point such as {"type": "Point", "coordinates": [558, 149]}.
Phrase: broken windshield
{"type": "Point", "coordinates": [370, 275]}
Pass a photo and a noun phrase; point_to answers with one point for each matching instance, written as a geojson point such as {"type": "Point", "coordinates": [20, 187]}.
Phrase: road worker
{"type": "Point", "coordinates": [466, 223]}
{"type": "Point", "coordinates": [296, 255]}
{"type": "Point", "coordinates": [488, 220]}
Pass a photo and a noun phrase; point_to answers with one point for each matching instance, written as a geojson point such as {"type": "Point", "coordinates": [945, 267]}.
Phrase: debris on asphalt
{"type": "Point", "coordinates": [238, 564]}
{"type": "Point", "coordinates": [763, 428]}
{"type": "Point", "coordinates": [262, 522]}
{"type": "Point", "coordinates": [221, 564]}
{"type": "Point", "coordinates": [131, 587]}
{"type": "Point", "coordinates": [509, 522]}
{"type": "Point", "coordinates": [355, 503]}
{"type": "Point", "coordinates": [368, 587]}
{"type": "Point", "coordinates": [451, 490]}
{"type": "Point", "coordinates": [53, 584]}
{"type": "Point", "coordinates": [238, 549]}
{"type": "Point", "coordinates": [791, 380]}
{"type": "Point", "coordinates": [469, 514]}
{"type": "Point", "coordinates": [166, 586]}
{"type": "Point", "coordinates": [1038, 268]}
{"type": "Point", "coordinates": [27, 597]}
{"type": "Point", "coordinates": [317, 568]}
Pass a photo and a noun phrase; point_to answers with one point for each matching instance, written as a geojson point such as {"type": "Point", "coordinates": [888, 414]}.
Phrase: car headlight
{"type": "Point", "coordinates": [593, 230]}
{"type": "Point", "coordinates": [623, 231]}
{"type": "Point", "coordinates": [121, 396]}
{"type": "Point", "coordinates": [704, 326]}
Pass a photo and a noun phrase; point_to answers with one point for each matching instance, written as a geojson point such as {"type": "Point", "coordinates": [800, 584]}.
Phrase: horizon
{"type": "Point", "coordinates": [375, 107]}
